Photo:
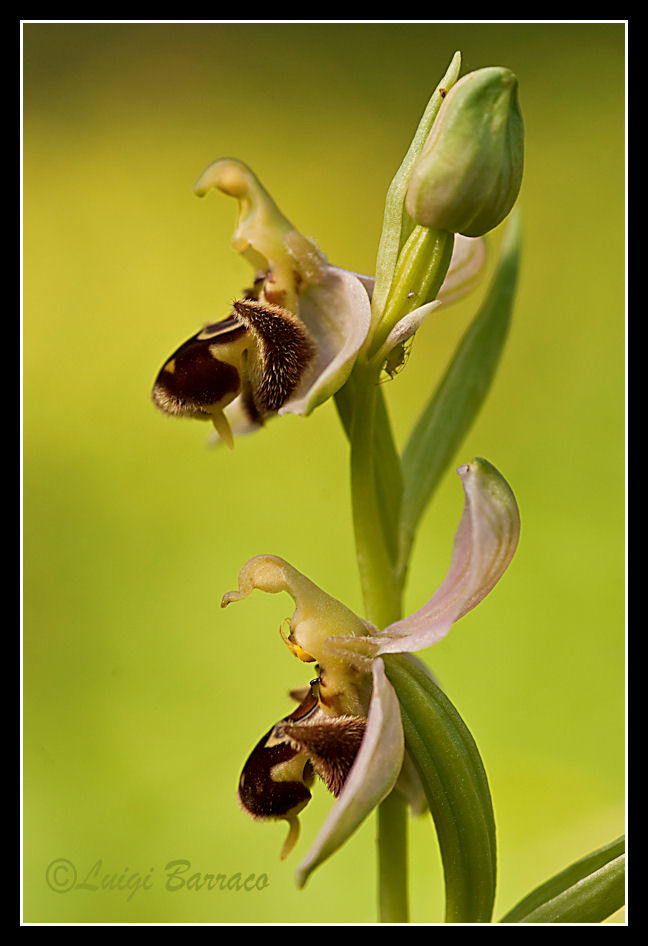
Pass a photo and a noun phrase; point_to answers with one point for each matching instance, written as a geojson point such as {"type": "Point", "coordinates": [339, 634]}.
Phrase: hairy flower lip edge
{"type": "Point", "coordinates": [339, 330]}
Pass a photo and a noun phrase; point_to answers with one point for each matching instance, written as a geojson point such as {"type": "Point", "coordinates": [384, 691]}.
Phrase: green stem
{"type": "Point", "coordinates": [419, 273]}
{"type": "Point", "coordinates": [382, 598]}
{"type": "Point", "coordinates": [392, 859]}
{"type": "Point", "coordinates": [381, 590]}
{"type": "Point", "coordinates": [421, 269]}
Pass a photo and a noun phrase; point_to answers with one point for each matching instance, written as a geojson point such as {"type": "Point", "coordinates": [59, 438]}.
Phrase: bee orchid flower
{"type": "Point", "coordinates": [347, 728]}
{"type": "Point", "coordinates": [293, 338]}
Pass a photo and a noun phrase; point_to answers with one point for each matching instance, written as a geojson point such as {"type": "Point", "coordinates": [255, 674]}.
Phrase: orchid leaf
{"type": "Point", "coordinates": [587, 891]}
{"type": "Point", "coordinates": [456, 787]}
{"type": "Point", "coordinates": [448, 415]}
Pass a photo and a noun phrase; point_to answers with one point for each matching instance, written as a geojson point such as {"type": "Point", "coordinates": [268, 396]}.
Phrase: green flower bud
{"type": "Point", "coordinates": [469, 172]}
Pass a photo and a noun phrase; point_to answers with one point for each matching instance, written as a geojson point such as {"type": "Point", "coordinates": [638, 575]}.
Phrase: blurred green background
{"type": "Point", "coordinates": [142, 698]}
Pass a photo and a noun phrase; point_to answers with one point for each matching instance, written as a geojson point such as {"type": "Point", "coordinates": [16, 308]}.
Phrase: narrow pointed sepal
{"type": "Point", "coordinates": [484, 545]}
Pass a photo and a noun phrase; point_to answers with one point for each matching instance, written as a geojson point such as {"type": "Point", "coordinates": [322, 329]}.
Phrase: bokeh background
{"type": "Point", "coordinates": [142, 698]}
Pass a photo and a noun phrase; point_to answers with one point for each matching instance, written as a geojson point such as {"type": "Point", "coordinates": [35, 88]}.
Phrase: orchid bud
{"type": "Point", "coordinates": [469, 172]}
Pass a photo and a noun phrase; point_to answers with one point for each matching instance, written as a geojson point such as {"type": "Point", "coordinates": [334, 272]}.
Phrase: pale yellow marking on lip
{"type": "Point", "coordinates": [217, 330]}
{"type": "Point", "coordinates": [170, 366]}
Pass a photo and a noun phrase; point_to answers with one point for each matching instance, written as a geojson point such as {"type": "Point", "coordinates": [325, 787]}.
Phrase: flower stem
{"type": "Point", "coordinates": [392, 859]}
{"type": "Point", "coordinates": [380, 587]}
{"type": "Point", "coordinates": [382, 596]}
{"type": "Point", "coordinates": [376, 495]}
{"type": "Point", "coordinates": [421, 269]}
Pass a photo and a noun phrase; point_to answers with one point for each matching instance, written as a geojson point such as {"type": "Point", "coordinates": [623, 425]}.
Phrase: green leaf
{"type": "Point", "coordinates": [397, 225]}
{"type": "Point", "coordinates": [456, 789]}
{"type": "Point", "coordinates": [585, 892]}
{"type": "Point", "coordinates": [392, 859]}
{"type": "Point", "coordinates": [448, 415]}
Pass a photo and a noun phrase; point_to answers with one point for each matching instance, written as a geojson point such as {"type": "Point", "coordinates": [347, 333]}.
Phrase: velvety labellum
{"type": "Point", "coordinates": [259, 353]}
{"type": "Point", "coordinates": [199, 374]}
{"type": "Point", "coordinates": [276, 779]}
